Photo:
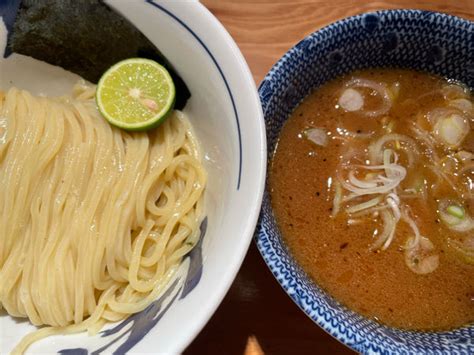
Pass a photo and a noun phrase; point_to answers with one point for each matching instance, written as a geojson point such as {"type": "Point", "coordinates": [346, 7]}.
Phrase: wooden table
{"type": "Point", "coordinates": [257, 312]}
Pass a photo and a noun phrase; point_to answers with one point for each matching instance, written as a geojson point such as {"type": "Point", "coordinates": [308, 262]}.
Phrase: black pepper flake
{"type": "Point", "coordinates": [317, 193]}
{"type": "Point", "coordinates": [300, 114]}
{"type": "Point", "coordinates": [343, 245]}
{"type": "Point", "coordinates": [324, 159]}
{"type": "Point", "coordinates": [359, 131]}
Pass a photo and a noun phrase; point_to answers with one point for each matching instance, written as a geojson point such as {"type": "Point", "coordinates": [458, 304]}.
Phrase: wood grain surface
{"type": "Point", "coordinates": [257, 316]}
{"type": "Point", "coordinates": [264, 30]}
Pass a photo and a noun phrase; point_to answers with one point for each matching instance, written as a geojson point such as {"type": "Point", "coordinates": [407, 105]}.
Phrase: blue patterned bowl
{"type": "Point", "coordinates": [421, 40]}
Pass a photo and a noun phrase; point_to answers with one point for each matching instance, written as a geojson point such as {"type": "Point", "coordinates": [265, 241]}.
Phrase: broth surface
{"type": "Point", "coordinates": [337, 254]}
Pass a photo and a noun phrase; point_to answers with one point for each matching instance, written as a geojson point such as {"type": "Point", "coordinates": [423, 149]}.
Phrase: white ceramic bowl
{"type": "Point", "coordinates": [226, 113]}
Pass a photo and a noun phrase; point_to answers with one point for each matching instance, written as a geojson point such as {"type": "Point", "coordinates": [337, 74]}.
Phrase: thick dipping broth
{"type": "Point", "coordinates": [372, 186]}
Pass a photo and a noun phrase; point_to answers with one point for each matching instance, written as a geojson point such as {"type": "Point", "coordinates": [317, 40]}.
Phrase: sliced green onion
{"type": "Point", "coordinates": [455, 216]}
{"type": "Point", "coordinates": [394, 91]}
{"type": "Point", "coordinates": [449, 218]}
{"type": "Point", "coordinates": [456, 211]}
{"type": "Point", "coordinates": [390, 127]}
{"type": "Point", "coordinates": [419, 184]}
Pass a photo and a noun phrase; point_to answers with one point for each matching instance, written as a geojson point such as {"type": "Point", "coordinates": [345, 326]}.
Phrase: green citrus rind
{"type": "Point", "coordinates": [121, 109]}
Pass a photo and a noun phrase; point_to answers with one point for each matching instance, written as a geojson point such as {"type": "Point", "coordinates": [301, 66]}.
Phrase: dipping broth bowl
{"type": "Point", "coordinates": [420, 40]}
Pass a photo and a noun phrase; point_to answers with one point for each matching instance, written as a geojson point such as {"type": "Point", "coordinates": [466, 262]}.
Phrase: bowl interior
{"type": "Point", "coordinates": [420, 40]}
{"type": "Point", "coordinates": [226, 115]}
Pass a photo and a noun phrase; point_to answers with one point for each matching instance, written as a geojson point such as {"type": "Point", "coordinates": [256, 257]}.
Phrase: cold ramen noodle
{"type": "Point", "coordinates": [93, 220]}
{"type": "Point", "coordinates": [372, 185]}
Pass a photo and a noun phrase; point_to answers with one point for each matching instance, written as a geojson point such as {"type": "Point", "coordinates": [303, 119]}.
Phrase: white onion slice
{"type": "Point", "coordinates": [389, 226]}
{"type": "Point", "coordinates": [350, 197]}
{"type": "Point", "coordinates": [421, 259]}
{"type": "Point", "coordinates": [453, 91]}
{"type": "Point", "coordinates": [360, 183]}
{"type": "Point", "coordinates": [463, 105]}
{"type": "Point", "coordinates": [455, 224]}
{"type": "Point", "coordinates": [414, 242]}
{"type": "Point", "coordinates": [387, 160]}
{"type": "Point", "coordinates": [351, 100]}
{"type": "Point", "coordinates": [376, 190]}
{"type": "Point", "coordinates": [400, 171]}
{"type": "Point", "coordinates": [336, 204]}
{"type": "Point", "coordinates": [388, 184]}
{"type": "Point", "coordinates": [451, 129]}
{"type": "Point", "coordinates": [375, 211]}
{"type": "Point", "coordinates": [376, 148]}
{"type": "Point", "coordinates": [394, 206]}
{"type": "Point", "coordinates": [465, 155]}
{"type": "Point", "coordinates": [465, 226]}
{"type": "Point", "coordinates": [427, 139]}
{"type": "Point", "coordinates": [438, 113]}
{"type": "Point", "coordinates": [318, 136]}
{"type": "Point", "coordinates": [379, 88]}
{"type": "Point", "coordinates": [364, 205]}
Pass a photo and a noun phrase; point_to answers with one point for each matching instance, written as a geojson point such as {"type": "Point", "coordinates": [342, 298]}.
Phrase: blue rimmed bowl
{"type": "Point", "coordinates": [420, 40]}
{"type": "Point", "coordinates": [226, 114]}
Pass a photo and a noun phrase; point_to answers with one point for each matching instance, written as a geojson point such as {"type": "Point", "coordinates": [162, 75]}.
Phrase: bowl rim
{"type": "Point", "coordinates": [262, 239]}
{"type": "Point", "coordinates": [253, 210]}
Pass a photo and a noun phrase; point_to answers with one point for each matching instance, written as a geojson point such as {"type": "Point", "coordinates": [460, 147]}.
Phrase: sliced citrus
{"type": "Point", "coordinates": [135, 94]}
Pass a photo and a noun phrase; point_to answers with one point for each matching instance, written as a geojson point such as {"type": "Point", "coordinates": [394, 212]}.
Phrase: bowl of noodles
{"type": "Point", "coordinates": [114, 240]}
{"type": "Point", "coordinates": [367, 217]}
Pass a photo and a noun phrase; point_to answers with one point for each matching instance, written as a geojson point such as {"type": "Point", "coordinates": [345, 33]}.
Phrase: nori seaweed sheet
{"type": "Point", "coordinates": [85, 37]}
